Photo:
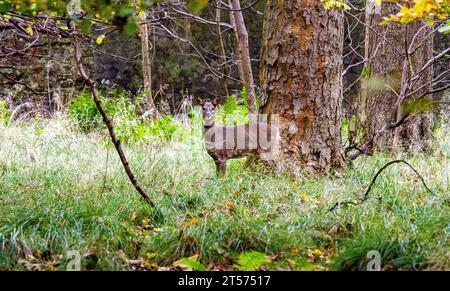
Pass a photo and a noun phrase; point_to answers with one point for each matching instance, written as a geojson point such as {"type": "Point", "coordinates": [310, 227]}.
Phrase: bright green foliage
{"type": "Point", "coordinates": [130, 128]}
{"type": "Point", "coordinates": [235, 111]}
{"type": "Point", "coordinates": [365, 73]}
{"type": "Point", "coordinates": [197, 5]}
{"type": "Point", "coordinates": [5, 113]}
{"type": "Point", "coordinates": [122, 14]}
{"type": "Point", "coordinates": [85, 112]}
{"type": "Point", "coordinates": [251, 261]}
{"type": "Point", "coordinates": [162, 128]}
{"type": "Point", "coordinates": [191, 264]}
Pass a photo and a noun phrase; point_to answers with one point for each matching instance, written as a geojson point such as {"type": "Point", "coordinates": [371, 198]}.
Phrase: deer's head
{"type": "Point", "coordinates": [208, 109]}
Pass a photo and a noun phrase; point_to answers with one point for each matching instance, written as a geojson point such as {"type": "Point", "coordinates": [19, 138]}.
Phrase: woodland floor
{"type": "Point", "coordinates": [63, 191]}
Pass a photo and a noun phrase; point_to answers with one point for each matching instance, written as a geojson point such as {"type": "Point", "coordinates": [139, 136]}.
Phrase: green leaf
{"type": "Point", "coordinates": [191, 264]}
{"type": "Point", "coordinates": [125, 11]}
{"type": "Point", "coordinates": [445, 28]}
{"type": "Point", "coordinates": [131, 26]}
{"type": "Point", "coordinates": [86, 26]}
{"type": "Point", "coordinates": [5, 7]}
{"type": "Point", "coordinates": [251, 261]}
{"type": "Point", "coordinates": [197, 6]}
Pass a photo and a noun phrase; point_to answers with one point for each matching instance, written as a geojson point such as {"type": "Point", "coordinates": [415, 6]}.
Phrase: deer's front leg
{"type": "Point", "coordinates": [221, 168]}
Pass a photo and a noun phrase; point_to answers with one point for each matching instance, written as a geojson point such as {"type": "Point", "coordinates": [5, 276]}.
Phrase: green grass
{"type": "Point", "coordinates": [62, 191]}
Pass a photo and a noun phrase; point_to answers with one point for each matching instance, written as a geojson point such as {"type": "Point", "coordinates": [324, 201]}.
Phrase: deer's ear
{"type": "Point", "coordinates": [200, 101]}
{"type": "Point", "coordinates": [216, 101]}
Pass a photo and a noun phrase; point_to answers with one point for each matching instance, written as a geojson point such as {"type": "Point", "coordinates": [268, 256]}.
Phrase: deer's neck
{"type": "Point", "coordinates": [208, 124]}
{"type": "Point", "coordinates": [208, 127]}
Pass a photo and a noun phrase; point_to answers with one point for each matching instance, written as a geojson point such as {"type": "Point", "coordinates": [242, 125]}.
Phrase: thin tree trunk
{"type": "Point", "coordinates": [301, 82]}
{"type": "Point", "coordinates": [146, 69]}
{"type": "Point", "coordinates": [223, 80]}
{"type": "Point", "coordinates": [110, 127]}
{"type": "Point", "coordinates": [237, 51]}
{"type": "Point", "coordinates": [244, 53]}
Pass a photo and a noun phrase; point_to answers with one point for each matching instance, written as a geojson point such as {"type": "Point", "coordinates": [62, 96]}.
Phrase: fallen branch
{"type": "Point", "coordinates": [109, 125]}
{"type": "Point", "coordinates": [366, 195]}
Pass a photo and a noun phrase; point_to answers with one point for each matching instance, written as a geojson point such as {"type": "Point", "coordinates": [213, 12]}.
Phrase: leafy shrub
{"type": "Point", "coordinates": [233, 111]}
{"type": "Point", "coordinates": [85, 112]}
{"type": "Point", "coordinates": [129, 127]}
{"type": "Point", "coordinates": [117, 106]}
{"type": "Point", "coordinates": [5, 113]}
{"type": "Point", "coordinates": [163, 128]}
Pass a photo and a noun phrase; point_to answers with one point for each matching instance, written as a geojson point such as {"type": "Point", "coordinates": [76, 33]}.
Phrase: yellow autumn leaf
{"type": "Point", "coordinates": [145, 222]}
{"type": "Point", "coordinates": [229, 204]}
{"type": "Point", "coordinates": [404, 11]}
{"type": "Point", "coordinates": [100, 39]}
{"type": "Point", "coordinates": [151, 255]}
{"type": "Point", "coordinates": [317, 252]}
{"type": "Point", "coordinates": [133, 216]}
{"type": "Point", "coordinates": [30, 30]}
{"type": "Point", "coordinates": [194, 258]}
{"type": "Point", "coordinates": [304, 196]}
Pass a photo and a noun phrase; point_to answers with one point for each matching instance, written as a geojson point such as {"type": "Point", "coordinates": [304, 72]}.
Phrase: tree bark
{"type": "Point", "coordinates": [241, 34]}
{"type": "Point", "coordinates": [301, 82]}
{"type": "Point", "coordinates": [388, 69]}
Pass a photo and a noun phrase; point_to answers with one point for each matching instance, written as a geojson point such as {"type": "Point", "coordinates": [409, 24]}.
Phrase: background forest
{"type": "Point", "coordinates": [98, 110]}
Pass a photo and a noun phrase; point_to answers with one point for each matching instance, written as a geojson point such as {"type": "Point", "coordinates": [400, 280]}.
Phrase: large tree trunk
{"type": "Point", "coordinates": [241, 34]}
{"type": "Point", "coordinates": [301, 80]}
{"type": "Point", "coordinates": [386, 71]}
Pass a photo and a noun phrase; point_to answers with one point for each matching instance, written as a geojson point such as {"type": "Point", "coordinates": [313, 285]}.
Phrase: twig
{"type": "Point", "coordinates": [366, 195]}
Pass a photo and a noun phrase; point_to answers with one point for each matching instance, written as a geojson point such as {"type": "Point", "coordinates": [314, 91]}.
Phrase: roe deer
{"type": "Point", "coordinates": [230, 142]}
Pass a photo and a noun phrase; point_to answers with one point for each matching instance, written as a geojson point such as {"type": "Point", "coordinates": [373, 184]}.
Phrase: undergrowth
{"type": "Point", "coordinates": [63, 190]}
